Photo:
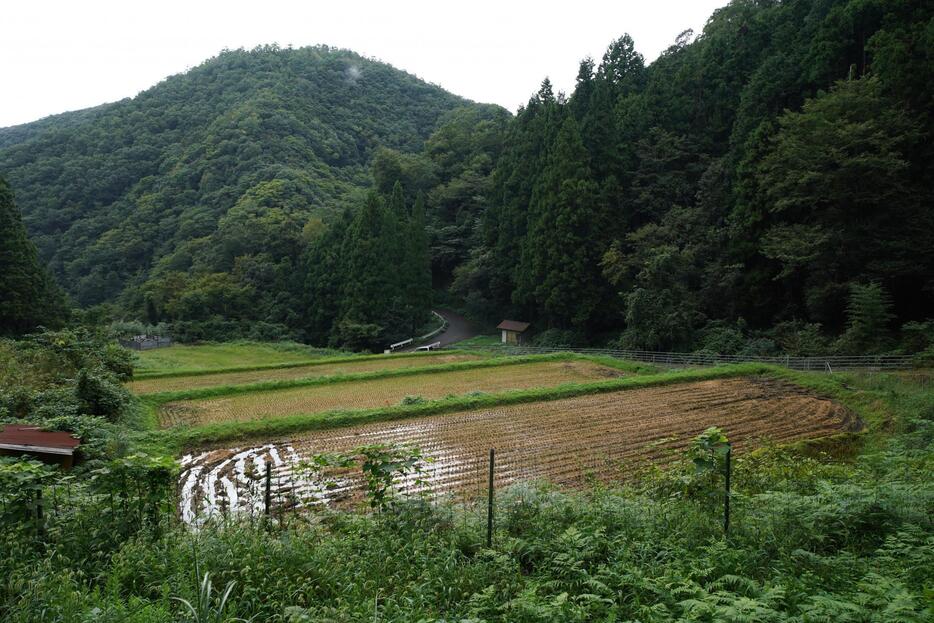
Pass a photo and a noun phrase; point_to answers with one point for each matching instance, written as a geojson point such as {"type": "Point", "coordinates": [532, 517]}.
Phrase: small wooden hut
{"type": "Point", "coordinates": [512, 331]}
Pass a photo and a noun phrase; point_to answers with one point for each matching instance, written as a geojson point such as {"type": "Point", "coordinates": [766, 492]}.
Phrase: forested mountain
{"type": "Point", "coordinates": [765, 186]}
{"type": "Point", "coordinates": [211, 182]}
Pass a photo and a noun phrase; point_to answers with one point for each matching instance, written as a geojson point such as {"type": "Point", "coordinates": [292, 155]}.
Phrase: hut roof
{"type": "Point", "coordinates": [513, 325]}
{"type": "Point", "coordinates": [34, 439]}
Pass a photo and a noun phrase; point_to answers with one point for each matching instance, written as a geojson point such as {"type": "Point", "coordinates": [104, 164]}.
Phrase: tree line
{"type": "Point", "coordinates": [762, 187]}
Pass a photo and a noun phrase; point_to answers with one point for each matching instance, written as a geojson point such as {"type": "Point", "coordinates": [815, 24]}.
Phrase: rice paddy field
{"type": "Point", "coordinates": [568, 441]}
{"type": "Point", "coordinates": [311, 370]}
{"type": "Point", "coordinates": [604, 436]}
{"type": "Point", "coordinates": [195, 358]}
{"type": "Point", "coordinates": [379, 392]}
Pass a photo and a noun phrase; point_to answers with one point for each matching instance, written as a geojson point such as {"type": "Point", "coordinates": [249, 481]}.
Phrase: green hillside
{"type": "Point", "coordinates": [229, 161]}
{"type": "Point", "coordinates": [762, 188]}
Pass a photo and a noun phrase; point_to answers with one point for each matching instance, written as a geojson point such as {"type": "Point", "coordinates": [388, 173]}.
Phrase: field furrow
{"type": "Point", "coordinates": [567, 441]}
{"type": "Point", "coordinates": [380, 392]}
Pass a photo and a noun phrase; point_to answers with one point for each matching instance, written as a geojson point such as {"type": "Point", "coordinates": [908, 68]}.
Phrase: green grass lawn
{"type": "Point", "coordinates": [193, 358]}
{"type": "Point", "coordinates": [480, 341]}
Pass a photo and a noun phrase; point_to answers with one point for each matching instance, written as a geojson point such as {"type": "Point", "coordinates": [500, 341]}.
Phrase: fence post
{"type": "Point", "coordinates": [726, 496]}
{"type": "Point", "coordinates": [267, 499]}
{"type": "Point", "coordinates": [40, 520]}
{"type": "Point", "coordinates": [489, 502]}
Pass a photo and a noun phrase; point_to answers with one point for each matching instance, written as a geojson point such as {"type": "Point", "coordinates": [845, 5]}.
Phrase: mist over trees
{"type": "Point", "coordinates": [762, 187]}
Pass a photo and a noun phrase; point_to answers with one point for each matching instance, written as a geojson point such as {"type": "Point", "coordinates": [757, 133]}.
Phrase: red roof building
{"type": "Point", "coordinates": [48, 446]}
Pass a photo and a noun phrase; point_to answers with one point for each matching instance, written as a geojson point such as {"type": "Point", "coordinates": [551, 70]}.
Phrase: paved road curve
{"type": "Point", "coordinates": [459, 328]}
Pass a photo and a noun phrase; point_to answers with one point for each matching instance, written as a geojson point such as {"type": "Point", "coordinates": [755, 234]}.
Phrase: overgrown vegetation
{"type": "Point", "coordinates": [70, 380]}
{"type": "Point", "coordinates": [816, 535]}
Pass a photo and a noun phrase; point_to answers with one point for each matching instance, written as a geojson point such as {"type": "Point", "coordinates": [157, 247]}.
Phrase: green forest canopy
{"type": "Point", "coordinates": [763, 186]}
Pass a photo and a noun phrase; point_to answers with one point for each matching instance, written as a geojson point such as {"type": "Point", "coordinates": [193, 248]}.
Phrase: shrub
{"type": "Point", "coordinates": [723, 338]}
{"type": "Point", "coordinates": [869, 313]}
{"type": "Point", "coordinates": [118, 361]}
{"type": "Point", "coordinates": [125, 329]}
{"type": "Point", "coordinates": [358, 336]}
{"type": "Point", "coordinates": [799, 339]}
{"type": "Point", "coordinates": [412, 400]}
{"type": "Point", "coordinates": [100, 395]}
{"type": "Point", "coordinates": [560, 338]}
{"type": "Point", "coordinates": [918, 337]}
{"type": "Point", "coordinates": [759, 347]}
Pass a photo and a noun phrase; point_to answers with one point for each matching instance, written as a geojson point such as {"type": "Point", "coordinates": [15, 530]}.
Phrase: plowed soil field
{"type": "Point", "coordinates": [380, 392]}
{"type": "Point", "coordinates": [168, 384]}
{"type": "Point", "coordinates": [568, 441]}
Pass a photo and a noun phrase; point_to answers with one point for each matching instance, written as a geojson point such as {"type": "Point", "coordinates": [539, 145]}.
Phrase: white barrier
{"type": "Point", "coordinates": [431, 334]}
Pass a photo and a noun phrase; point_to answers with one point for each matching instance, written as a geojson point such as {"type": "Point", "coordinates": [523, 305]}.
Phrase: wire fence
{"type": "Point", "coordinates": [146, 342]}
{"type": "Point", "coordinates": [828, 363]}
{"type": "Point", "coordinates": [288, 493]}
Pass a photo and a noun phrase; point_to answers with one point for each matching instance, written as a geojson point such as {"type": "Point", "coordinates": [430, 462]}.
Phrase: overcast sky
{"type": "Point", "coordinates": [70, 54]}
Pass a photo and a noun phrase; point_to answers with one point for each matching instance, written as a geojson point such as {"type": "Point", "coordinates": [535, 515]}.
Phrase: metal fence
{"type": "Point", "coordinates": [829, 363]}
{"type": "Point", "coordinates": [270, 482]}
{"type": "Point", "coordinates": [146, 343]}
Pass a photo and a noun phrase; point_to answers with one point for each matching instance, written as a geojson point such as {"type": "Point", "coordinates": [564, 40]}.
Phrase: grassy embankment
{"type": "Point", "coordinates": [185, 359]}
{"type": "Point", "coordinates": [836, 387]}
{"type": "Point", "coordinates": [175, 440]}
{"type": "Point", "coordinates": [151, 403]}
{"type": "Point", "coordinates": [871, 412]}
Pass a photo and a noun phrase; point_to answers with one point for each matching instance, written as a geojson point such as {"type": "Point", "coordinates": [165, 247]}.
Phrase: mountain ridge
{"type": "Point", "coordinates": [109, 192]}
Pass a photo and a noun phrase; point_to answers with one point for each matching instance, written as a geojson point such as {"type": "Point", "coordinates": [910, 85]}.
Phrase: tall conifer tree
{"type": "Point", "coordinates": [28, 296]}
{"type": "Point", "coordinates": [418, 270]}
{"type": "Point", "coordinates": [557, 268]}
{"type": "Point", "coordinates": [367, 290]}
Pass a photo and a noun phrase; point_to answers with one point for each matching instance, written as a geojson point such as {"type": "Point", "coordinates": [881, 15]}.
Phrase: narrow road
{"type": "Point", "coordinates": [459, 328]}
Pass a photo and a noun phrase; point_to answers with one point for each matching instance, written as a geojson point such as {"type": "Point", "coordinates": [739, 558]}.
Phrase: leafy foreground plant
{"type": "Point", "coordinates": [207, 608]}
{"type": "Point", "coordinates": [382, 466]}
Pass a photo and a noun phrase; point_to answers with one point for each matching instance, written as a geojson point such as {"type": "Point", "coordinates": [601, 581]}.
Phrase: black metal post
{"type": "Point", "coordinates": [726, 496]}
{"type": "Point", "coordinates": [268, 489]}
{"type": "Point", "coordinates": [40, 520]}
{"type": "Point", "coordinates": [489, 502]}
